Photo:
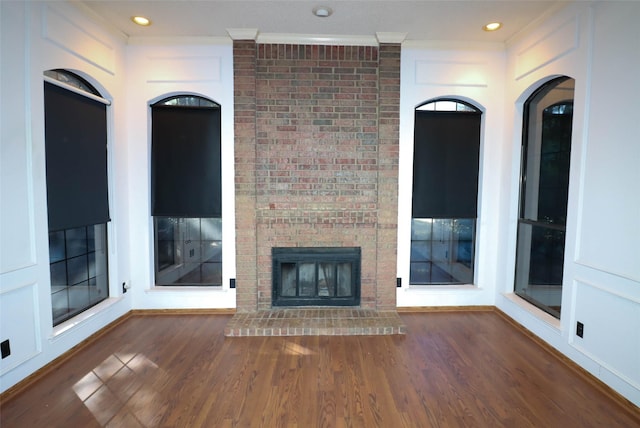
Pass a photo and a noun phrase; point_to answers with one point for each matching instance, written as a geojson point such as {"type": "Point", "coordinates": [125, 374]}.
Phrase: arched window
{"type": "Point", "coordinates": [445, 192]}
{"type": "Point", "coordinates": [71, 80]}
{"type": "Point", "coordinates": [186, 191]}
{"type": "Point", "coordinates": [77, 192]}
{"type": "Point", "coordinates": [544, 178]}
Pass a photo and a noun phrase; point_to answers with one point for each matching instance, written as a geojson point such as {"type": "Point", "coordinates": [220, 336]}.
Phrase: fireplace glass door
{"type": "Point", "coordinates": [316, 276]}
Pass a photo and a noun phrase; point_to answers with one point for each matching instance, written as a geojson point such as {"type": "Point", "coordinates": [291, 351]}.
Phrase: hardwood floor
{"type": "Point", "coordinates": [452, 369]}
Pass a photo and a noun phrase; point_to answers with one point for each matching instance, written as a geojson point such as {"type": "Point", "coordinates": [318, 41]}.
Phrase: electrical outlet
{"type": "Point", "coordinates": [6, 348]}
{"type": "Point", "coordinates": [579, 329]}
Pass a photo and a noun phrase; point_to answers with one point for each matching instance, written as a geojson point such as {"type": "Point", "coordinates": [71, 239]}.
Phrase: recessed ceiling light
{"type": "Point", "coordinates": [141, 20]}
{"type": "Point", "coordinates": [322, 11]}
{"type": "Point", "coordinates": [492, 26]}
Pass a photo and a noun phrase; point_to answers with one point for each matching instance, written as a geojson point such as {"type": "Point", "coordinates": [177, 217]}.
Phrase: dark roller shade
{"type": "Point", "coordinates": [445, 164]}
{"type": "Point", "coordinates": [76, 159]}
{"type": "Point", "coordinates": [185, 162]}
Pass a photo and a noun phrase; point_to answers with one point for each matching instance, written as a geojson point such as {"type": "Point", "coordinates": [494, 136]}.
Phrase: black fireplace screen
{"type": "Point", "coordinates": [326, 276]}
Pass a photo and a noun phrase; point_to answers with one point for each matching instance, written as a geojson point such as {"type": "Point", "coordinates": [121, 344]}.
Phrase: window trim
{"type": "Point", "coordinates": [468, 109]}
{"type": "Point", "coordinates": [199, 104]}
{"type": "Point", "coordinates": [77, 90]}
{"type": "Point", "coordinates": [521, 218]}
{"type": "Point", "coordinates": [91, 93]}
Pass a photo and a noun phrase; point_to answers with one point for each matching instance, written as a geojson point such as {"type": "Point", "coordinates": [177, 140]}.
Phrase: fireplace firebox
{"type": "Point", "coordinates": [316, 276]}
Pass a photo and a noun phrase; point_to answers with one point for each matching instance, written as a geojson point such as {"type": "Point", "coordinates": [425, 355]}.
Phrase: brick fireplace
{"type": "Point", "coordinates": [316, 158]}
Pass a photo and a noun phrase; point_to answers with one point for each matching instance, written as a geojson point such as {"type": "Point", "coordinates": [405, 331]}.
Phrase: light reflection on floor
{"type": "Point", "coordinates": [295, 349]}
{"type": "Point", "coordinates": [118, 392]}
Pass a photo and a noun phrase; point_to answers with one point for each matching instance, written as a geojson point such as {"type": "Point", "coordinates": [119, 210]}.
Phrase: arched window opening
{"type": "Point", "coordinates": [187, 101]}
{"type": "Point", "coordinates": [186, 191]}
{"type": "Point", "coordinates": [445, 104]}
{"type": "Point", "coordinates": [544, 178]}
{"type": "Point", "coordinates": [72, 79]}
{"type": "Point", "coordinates": [445, 192]}
{"type": "Point", "coordinates": [77, 193]}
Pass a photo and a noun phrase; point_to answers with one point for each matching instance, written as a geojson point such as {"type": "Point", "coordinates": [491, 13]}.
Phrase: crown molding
{"type": "Point", "coordinates": [178, 41]}
{"type": "Point", "coordinates": [243, 33]}
{"type": "Point", "coordinates": [390, 37]}
{"type": "Point", "coordinates": [453, 45]}
{"type": "Point", "coordinates": [317, 39]}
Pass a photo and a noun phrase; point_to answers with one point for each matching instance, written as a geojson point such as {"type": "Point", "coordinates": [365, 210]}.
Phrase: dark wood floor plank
{"type": "Point", "coordinates": [466, 369]}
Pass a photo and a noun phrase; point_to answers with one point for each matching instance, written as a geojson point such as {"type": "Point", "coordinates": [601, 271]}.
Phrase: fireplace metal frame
{"type": "Point", "coordinates": [296, 255]}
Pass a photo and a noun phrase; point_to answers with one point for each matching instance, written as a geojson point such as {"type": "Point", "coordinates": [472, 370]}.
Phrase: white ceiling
{"type": "Point", "coordinates": [429, 20]}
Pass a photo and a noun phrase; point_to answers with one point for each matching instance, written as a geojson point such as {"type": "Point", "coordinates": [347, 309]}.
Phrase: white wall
{"type": "Point", "coordinates": [475, 74]}
{"type": "Point", "coordinates": [157, 69]}
{"type": "Point", "coordinates": [36, 37]}
{"type": "Point", "coordinates": [598, 45]}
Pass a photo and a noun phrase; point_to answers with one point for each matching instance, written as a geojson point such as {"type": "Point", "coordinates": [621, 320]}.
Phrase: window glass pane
{"type": "Point", "coordinates": [72, 79]}
{"type": "Point", "coordinates": [58, 272]}
{"type": "Point", "coordinates": [540, 260]}
{"type": "Point", "coordinates": [60, 304]}
{"type": "Point", "coordinates": [211, 251]}
{"type": "Point", "coordinates": [77, 269]}
{"type": "Point", "coordinates": [91, 239]}
{"type": "Point", "coordinates": [421, 228]}
{"type": "Point", "coordinates": [79, 282]}
{"type": "Point", "coordinates": [421, 250]}
{"type": "Point", "coordinates": [211, 229]}
{"type": "Point", "coordinates": [56, 246]}
{"type": "Point", "coordinates": [76, 241]}
{"type": "Point", "coordinates": [441, 241]}
{"type": "Point", "coordinates": [554, 164]}
{"type": "Point", "coordinates": [464, 250]}
{"type": "Point", "coordinates": [446, 253]}
{"type": "Point", "coordinates": [211, 273]}
{"type": "Point", "coordinates": [420, 273]}
{"type": "Point", "coordinates": [183, 256]}
{"type": "Point", "coordinates": [447, 105]}
{"type": "Point", "coordinates": [91, 259]}
{"type": "Point", "coordinates": [165, 245]}
{"type": "Point", "coordinates": [79, 297]}
{"type": "Point", "coordinates": [547, 151]}
{"type": "Point", "coordinates": [188, 101]}
{"type": "Point", "coordinates": [98, 290]}
{"type": "Point", "coordinates": [464, 107]}
{"type": "Point", "coordinates": [192, 229]}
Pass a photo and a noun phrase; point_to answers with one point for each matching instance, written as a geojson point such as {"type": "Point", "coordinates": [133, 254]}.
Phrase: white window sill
{"type": "Point", "coordinates": [533, 310]}
{"type": "Point", "coordinates": [442, 288]}
{"type": "Point", "coordinates": [83, 317]}
{"type": "Point", "coordinates": [202, 289]}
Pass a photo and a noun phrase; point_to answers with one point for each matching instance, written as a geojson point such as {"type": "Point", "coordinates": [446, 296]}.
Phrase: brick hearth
{"type": "Point", "coordinates": [315, 322]}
